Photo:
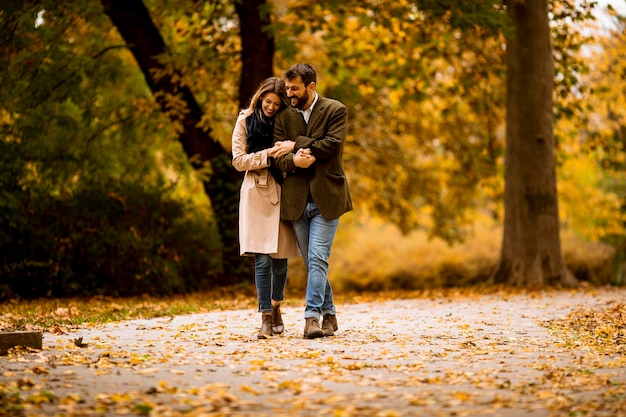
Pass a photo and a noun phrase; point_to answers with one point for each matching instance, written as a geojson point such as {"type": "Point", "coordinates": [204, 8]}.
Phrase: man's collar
{"type": "Point", "coordinates": [314, 100]}
{"type": "Point", "coordinates": [310, 108]}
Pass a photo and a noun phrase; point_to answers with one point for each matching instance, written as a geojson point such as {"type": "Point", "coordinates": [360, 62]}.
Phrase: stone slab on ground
{"type": "Point", "coordinates": [10, 340]}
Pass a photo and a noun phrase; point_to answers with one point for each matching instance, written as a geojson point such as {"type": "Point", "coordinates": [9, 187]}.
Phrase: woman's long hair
{"type": "Point", "coordinates": [259, 127]}
{"type": "Point", "coordinates": [270, 85]}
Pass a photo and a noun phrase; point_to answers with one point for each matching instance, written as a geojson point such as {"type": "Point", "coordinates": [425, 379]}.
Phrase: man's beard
{"type": "Point", "coordinates": [300, 101]}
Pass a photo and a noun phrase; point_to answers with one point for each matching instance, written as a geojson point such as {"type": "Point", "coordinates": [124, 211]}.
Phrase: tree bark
{"type": "Point", "coordinates": [531, 247]}
{"type": "Point", "coordinates": [257, 47]}
{"type": "Point", "coordinates": [133, 21]}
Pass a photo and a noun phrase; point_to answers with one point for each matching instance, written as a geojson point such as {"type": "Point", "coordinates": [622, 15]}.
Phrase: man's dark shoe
{"type": "Point", "coordinates": [312, 329]}
{"type": "Point", "coordinates": [277, 320]}
{"type": "Point", "coordinates": [329, 324]}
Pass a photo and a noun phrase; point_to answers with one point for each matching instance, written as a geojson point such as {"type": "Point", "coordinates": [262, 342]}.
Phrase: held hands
{"type": "Point", "coordinates": [303, 158]}
{"type": "Point", "coordinates": [281, 148]}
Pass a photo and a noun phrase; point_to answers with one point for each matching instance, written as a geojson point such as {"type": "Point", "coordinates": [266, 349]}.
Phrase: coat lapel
{"type": "Point", "coordinates": [298, 119]}
{"type": "Point", "coordinates": [315, 115]}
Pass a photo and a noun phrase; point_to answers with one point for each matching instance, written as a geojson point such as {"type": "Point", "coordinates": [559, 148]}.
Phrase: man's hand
{"type": "Point", "coordinates": [303, 158]}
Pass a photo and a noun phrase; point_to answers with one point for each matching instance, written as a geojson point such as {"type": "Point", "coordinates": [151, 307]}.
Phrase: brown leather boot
{"type": "Point", "coordinates": [277, 320]}
{"type": "Point", "coordinates": [266, 326]}
{"type": "Point", "coordinates": [312, 329]}
{"type": "Point", "coordinates": [329, 324]}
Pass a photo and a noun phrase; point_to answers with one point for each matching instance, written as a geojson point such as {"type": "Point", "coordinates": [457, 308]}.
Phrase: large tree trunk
{"type": "Point", "coordinates": [531, 248]}
{"type": "Point", "coordinates": [257, 47]}
{"type": "Point", "coordinates": [134, 23]}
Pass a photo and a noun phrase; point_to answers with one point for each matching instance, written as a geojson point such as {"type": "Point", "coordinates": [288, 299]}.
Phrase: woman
{"type": "Point", "coordinates": [261, 232]}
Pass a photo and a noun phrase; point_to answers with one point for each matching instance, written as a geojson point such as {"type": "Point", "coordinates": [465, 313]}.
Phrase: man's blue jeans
{"type": "Point", "coordinates": [315, 235]}
{"type": "Point", "coordinates": [270, 276]}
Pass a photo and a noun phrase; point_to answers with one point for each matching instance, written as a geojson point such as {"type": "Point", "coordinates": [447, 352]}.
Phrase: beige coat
{"type": "Point", "coordinates": [260, 227]}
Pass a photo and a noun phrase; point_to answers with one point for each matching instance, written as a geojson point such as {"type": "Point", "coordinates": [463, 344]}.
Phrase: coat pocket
{"type": "Point", "coordinates": [261, 178]}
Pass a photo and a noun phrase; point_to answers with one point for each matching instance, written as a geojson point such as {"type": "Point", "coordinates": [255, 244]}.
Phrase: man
{"type": "Point", "coordinates": [315, 191]}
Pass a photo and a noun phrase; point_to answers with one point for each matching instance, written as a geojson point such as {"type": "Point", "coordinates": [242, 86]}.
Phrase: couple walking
{"type": "Point", "coordinates": [290, 142]}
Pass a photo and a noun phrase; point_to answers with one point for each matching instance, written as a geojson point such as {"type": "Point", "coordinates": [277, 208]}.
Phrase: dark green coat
{"type": "Point", "coordinates": [325, 135]}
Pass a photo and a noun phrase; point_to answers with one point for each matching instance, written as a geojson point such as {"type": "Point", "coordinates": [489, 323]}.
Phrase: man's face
{"type": "Point", "coordinates": [297, 93]}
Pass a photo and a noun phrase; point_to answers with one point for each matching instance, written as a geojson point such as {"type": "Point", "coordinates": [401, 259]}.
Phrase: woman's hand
{"type": "Point", "coordinates": [281, 148]}
{"type": "Point", "coordinates": [271, 152]}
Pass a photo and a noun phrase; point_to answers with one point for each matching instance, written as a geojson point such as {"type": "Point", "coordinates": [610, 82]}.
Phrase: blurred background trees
{"type": "Point", "coordinates": [102, 193]}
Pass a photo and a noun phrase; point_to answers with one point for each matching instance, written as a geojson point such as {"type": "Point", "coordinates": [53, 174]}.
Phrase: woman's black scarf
{"type": "Point", "coordinates": [261, 136]}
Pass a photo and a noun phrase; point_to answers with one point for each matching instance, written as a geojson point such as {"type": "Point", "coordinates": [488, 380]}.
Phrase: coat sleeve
{"type": "Point", "coordinates": [285, 162]}
{"type": "Point", "coordinates": [243, 161]}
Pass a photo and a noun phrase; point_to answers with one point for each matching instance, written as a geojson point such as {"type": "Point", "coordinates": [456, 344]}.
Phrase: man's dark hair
{"type": "Point", "coordinates": [306, 72]}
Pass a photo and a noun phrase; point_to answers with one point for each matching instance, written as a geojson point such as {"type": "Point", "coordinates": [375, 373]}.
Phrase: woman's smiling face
{"type": "Point", "coordinates": [270, 104]}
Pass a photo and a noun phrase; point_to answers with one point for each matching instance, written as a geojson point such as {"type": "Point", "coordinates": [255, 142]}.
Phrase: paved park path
{"type": "Point", "coordinates": [489, 355]}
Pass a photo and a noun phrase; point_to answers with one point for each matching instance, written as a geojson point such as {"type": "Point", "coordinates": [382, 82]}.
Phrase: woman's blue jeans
{"type": "Point", "coordinates": [315, 235]}
{"type": "Point", "coordinates": [270, 276]}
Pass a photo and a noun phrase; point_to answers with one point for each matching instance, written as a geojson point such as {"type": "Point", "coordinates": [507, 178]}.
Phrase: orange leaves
{"type": "Point", "coordinates": [295, 386]}
{"type": "Point", "coordinates": [438, 353]}
{"type": "Point", "coordinates": [55, 316]}
{"type": "Point", "coordinates": [603, 331]}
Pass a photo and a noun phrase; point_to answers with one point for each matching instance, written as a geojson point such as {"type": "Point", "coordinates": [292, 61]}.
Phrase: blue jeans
{"type": "Point", "coordinates": [270, 276]}
{"type": "Point", "coordinates": [315, 235]}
